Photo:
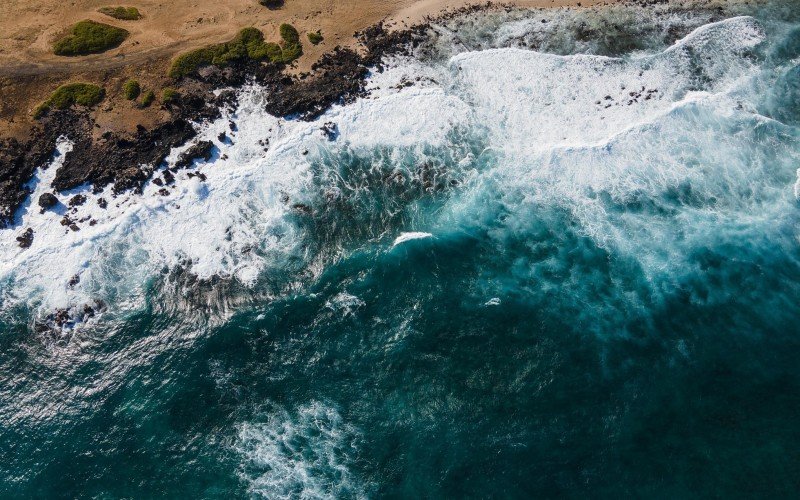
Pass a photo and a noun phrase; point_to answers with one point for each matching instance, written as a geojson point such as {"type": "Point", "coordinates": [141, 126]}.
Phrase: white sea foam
{"type": "Point", "coordinates": [416, 235]}
{"type": "Point", "coordinates": [344, 303]}
{"type": "Point", "coordinates": [306, 454]}
{"type": "Point", "coordinates": [533, 102]}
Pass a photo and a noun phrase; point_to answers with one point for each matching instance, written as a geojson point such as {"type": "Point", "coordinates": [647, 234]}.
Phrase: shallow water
{"type": "Point", "coordinates": [564, 262]}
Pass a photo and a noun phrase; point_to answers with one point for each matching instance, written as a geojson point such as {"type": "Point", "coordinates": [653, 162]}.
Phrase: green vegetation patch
{"type": "Point", "coordinates": [147, 99]}
{"type": "Point", "coordinates": [131, 89]}
{"type": "Point", "coordinates": [315, 37]}
{"type": "Point", "coordinates": [66, 95]}
{"type": "Point", "coordinates": [169, 95]}
{"type": "Point", "coordinates": [124, 13]}
{"type": "Point", "coordinates": [248, 44]}
{"type": "Point", "coordinates": [289, 34]}
{"type": "Point", "coordinates": [89, 37]}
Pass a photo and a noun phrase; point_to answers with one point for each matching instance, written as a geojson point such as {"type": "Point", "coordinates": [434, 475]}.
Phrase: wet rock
{"type": "Point", "coordinates": [169, 178]}
{"type": "Point", "coordinates": [302, 208]}
{"type": "Point", "coordinates": [102, 203]}
{"type": "Point", "coordinates": [339, 77]}
{"type": "Point", "coordinates": [47, 201]}
{"type": "Point", "coordinates": [74, 281]}
{"type": "Point", "coordinates": [25, 240]}
{"type": "Point", "coordinates": [202, 149]}
{"type": "Point", "coordinates": [158, 182]}
{"type": "Point", "coordinates": [222, 137]}
{"type": "Point", "coordinates": [330, 130]}
{"type": "Point", "coordinates": [77, 200]}
{"type": "Point", "coordinates": [117, 161]}
{"type": "Point", "coordinates": [18, 161]}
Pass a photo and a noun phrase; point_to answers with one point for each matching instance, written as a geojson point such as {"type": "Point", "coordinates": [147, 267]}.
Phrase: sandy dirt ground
{"type": "Point", "coordinates": [29, 70]}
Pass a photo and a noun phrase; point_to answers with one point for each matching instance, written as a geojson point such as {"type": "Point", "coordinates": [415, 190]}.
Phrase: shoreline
{"type": "Point", "coordinates": [119, 144]}
{"type": "Point", "coordinates": [31, 72]}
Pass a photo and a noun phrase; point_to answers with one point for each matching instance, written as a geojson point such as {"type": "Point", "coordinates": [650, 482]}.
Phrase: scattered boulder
{"type": "Point", "coordinates": [330, 130]}
{"type": "Point", "coordinates": [77, 200]}
{"type": "Point", "coordinates": [202, 149]}
{"type": "Point", "coordinates": [26, 238]}
{"type": "Point", "coordinates": [47, 201]}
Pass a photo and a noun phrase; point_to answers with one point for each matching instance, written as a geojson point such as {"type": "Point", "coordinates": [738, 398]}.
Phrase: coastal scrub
{"type": "Point", "coordinates": [89, 37]}
{"type": "Point", "coordinates": [66, 95]}
{"type": "Point", "coordinates": [123, 13]}
{"type": "Point", "coordinates": [248, 44]}
{"type": "Point", "coordinates": [131, 90]}
{"type": "Point", "coordinates": [169, 95]}
{"type": "Point", "coordinates": [315, 37]}
{"type": "Point", "coordinates": [147, 99]}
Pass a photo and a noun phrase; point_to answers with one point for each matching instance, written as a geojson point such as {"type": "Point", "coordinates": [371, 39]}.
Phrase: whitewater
{"type": "Point", "coordinates": [531, 229]}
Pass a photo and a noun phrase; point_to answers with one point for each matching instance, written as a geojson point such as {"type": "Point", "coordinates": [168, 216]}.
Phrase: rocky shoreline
{"type": "Point", "coordinates": [125, 163]}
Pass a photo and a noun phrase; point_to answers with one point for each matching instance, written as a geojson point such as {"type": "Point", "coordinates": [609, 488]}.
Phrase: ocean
{"type": "Point", "coordinates": [554, 253]}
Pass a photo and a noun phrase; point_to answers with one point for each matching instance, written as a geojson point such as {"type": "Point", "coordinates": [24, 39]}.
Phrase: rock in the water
{"type": "Point", "coordinates": [202, 149]}
{"type": "Point", "coordinates": [47, 200]}
{"type": "Point", "coordinates": [26, 238]}
{"type": "Point", "coordinates": [331, 131]}
{"type": "Point", "coordinates": [77, 200]}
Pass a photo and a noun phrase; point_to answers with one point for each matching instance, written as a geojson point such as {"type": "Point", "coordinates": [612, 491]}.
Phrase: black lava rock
{"type": "Point", "coordinates": [47, 200]}
{"type": "Point", "coordinates": [330, 130]}
{"type": "Point", "coordinates": [77, 200]}
{"type": "Point", "coordinates": [202, 149]}
{"type": "Point", "coordinates": [26, 238]}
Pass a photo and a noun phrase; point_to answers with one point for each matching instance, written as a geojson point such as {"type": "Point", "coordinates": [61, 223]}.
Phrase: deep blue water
{"type": "Point", "coordinates": [613, 318]}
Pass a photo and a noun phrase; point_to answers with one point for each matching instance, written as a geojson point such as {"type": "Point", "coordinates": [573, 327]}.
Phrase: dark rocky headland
{"type": "Point", "coordinates": [126, 162]}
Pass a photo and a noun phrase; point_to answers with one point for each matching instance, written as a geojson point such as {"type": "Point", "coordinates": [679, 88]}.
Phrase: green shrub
{"type": "Point", "coordinates": [271, 4]}
{"type": "Point", "coordinates": [147, 99]}
{"type": "Point", "coordinates": [315, 37]}
{"type": "Point", "coordinates": [66, 95]}
{"type": "Point", "coordinates": [89, 37]}
{"type": "Point", "coordinates": [131, 89]}
{"type": "Point", "coordinates": [289, 34]}
{"type": "Point", "coordinates": [124, 13]}
{"type": "Point", "coordinates": [247, 44]}
{"type": "Point", "coordinates": [169, 95]}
